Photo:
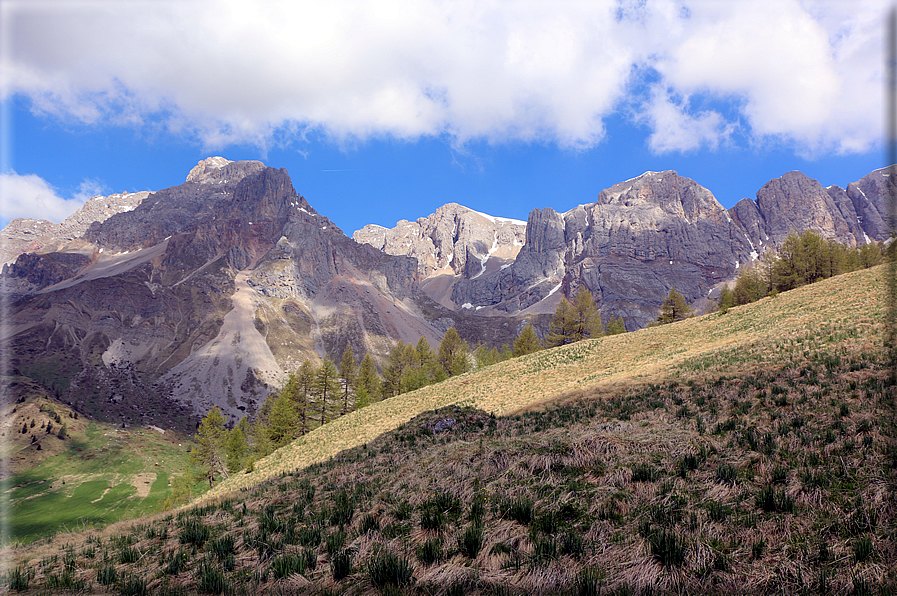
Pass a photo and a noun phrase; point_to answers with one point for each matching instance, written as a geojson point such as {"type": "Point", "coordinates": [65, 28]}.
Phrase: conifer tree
{"type": "Point", "coordinates": [347, 376]}
{"type": "Point", "coordinates": [210, 438]}
{"type": "Point", "coordinates": [588, 320]}
{"type": "Point", "coordinates": [726, 299]}
{"type": "Point", "coordinates": [282, 420]}
{"type": "Point", "coordinates": [326, 387]}
{"type": "Point", "coordinates": [527, 342]}
{"type": "Point", "coordinates": [425, 353]}
{"type": "Point", "coordinates": [749, 286]}
{"type": "Point", "coordinates": [305, 381]}
{"type": "Point", "coordinates": [237, 446]}
{"type": "Point", "coordinates": [368, 388]}
{"type": "Point", "coordinates": [414, 376]}
{"type": "Point", "coordinates": [674, 308]}
{"type": "Point", "coordinates": [453, 353]}
{"type": "Point", "coordinates": [616, 326]}
{"type": "Point", "coordinates": [483, 355]}
{"type": "Point", "coordinates": [563, 327]}
{"type": "Point", "coordinates": [394, 370]}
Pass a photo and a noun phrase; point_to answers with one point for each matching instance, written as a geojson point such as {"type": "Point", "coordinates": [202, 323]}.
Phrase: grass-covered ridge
{"type": "Point", "coordinates": [751, 452]}
{"type": "Point", "coordinates": [847, 311]}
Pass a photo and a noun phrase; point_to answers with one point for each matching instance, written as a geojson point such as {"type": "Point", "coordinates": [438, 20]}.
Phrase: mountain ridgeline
{"type": "Point", "coordinates": [208, 293]}
{"type": "Point", "coordinates": [642, 237]}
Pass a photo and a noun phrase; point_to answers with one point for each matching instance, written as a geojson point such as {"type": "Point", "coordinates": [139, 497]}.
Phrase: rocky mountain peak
{"type": "Point", "coordinates": [675, 194]}
{"type": "Point", "coordinates": [796, 202]}
{"type": "Point", "coordinates": [40, 235]}
{"type": "Point", "coordinates": [217, 170]}
{"type": "Point", "coordinates": [454, 240]}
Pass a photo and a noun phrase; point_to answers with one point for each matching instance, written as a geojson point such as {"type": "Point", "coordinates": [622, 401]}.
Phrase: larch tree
{"type": "Point", "coordinates": [453, 353]}
{"type": "Point", "coordinates": [674, 308]}
{"type": "Point", "coordinates": [368, 382]}
{"type": "Point", "coordinates": [282, 420]}
{"type": "Point", "coordinates": [616, 326]}
{"type": "Point", "coordinates": [394, 370]}
{"type": "Point", "coordinates": [347, 376]}
{"type": "Point", "coordinates": [726, 299]}
{"type": "Point", "coordinates": [326, 386]}
{"type": "Point", "coordinates": [527, 342]}
{"type": "Point", "coordinates": [563, 327]}
{"type": "Point", "coordinates": [588, 319]}
{"type": "Point", "coordinates": [305, 382]}
{"type": "Point", "coordinates": [237, 446]}
{"type": "Point", "coordinates": [211, 437]}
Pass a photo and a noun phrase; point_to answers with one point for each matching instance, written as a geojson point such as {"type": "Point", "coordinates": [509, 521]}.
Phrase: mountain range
{"type": "Point", "coordinates": [149, 308]}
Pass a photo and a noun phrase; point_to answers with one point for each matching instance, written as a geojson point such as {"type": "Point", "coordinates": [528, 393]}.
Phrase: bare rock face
{"type": "Point", "coordinates": [453, 243]}
{"type": "Point", "coordinates": [218, 170]}
{"type": "Point", "coordinates": [639, 239]}
{"type": "Point", "coordinates": [205, 293]}
{"type": "Point", "coordinates": [870, 197]}
{"type": "Point", "coordinates": [796, 202]}
{"type": "Point", "coordinates": [39, 235]}
{"type": "Point", "coordinates": [454, 238]}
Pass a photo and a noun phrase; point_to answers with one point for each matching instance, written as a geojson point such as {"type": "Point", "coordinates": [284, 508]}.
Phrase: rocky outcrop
{"type": "Point", "coordinates": [796, 202]}
{"type": "Point", "coordinates": [454, 240]}
{"type": "Point", "coordinates": [648, 234]}
{"type": "Point", "coordinates": [639, 239]}
{"type": "Point", "coordinates": [871, 196]}
{"type": "Point", "coordinates": [40, 235]}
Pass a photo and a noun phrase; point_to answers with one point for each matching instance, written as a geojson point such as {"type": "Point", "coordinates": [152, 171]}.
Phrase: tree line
{"type": "Point", "coordinates": [313, 395]}
{"type": "Point", "coordinates": [801, 260]}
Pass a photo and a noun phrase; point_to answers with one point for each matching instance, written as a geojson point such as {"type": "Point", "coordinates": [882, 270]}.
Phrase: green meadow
{"type": "Point", "coordinates": [103, 475]}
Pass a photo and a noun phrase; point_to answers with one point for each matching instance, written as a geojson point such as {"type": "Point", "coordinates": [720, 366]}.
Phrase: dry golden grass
{"type": "Point", "coordinates": [801, 378]}
{"type": "Point", "coordinates": [848, 310]}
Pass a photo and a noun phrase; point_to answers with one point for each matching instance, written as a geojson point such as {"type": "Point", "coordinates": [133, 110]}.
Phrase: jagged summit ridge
{"type": "Point", "coordinates": [40, 235]}
{"type": "Point", "coordinates": [218, 170]}
{"type": "Point", "coordinates": [454, 240]}
{"type": "Point", "coordinates": [661, 230]}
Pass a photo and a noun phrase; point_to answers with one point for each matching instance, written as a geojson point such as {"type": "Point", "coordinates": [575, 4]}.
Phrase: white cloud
{"type": "Point", "coordinates": [31, 196]}
{"type": "Point", "coordinates": [228, 71]}
{"type": "Point", "coordinates": [675, 129]}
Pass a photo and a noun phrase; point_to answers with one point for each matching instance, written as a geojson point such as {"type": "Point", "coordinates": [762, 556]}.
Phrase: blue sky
{"type": "Point", "coordinates": [387, 110]}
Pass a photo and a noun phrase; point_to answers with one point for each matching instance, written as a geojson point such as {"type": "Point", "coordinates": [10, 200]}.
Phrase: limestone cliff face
{"type": "Point", "coordinates": [659, 230]}
{"type": "Point", "coordinates": [639, 238]}
{"type": "Point", "coordinates": [39, 235]}
{"type": "Point", "coordinates": [454, 240]}
{"type": "Point", "coordinates": [870, 197]}
{"type": "Point", "coordinates": [797, 202]}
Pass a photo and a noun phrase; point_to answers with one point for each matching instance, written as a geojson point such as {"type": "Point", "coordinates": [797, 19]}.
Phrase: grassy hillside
{"type": "Point", "coordinates": [93, 475]}
{"type": "Point", "coordinates": [839, 315]}
{"type": "Point", "coordinates": [751, 452]}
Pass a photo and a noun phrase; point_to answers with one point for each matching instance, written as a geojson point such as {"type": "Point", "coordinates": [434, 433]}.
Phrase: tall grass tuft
{"type": "Point", "coordinates": [430, 551]}
{"type": "Point", "coordinates": [341, 564]}
{"type": "Point", "coordinates": [471, 541]}
{"type": "Point", "coordinates": [386, 569]}
{"type": "Point", "coordinates": [287, 565]}
{"type": "Point", "coordinates": [210, 580]}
